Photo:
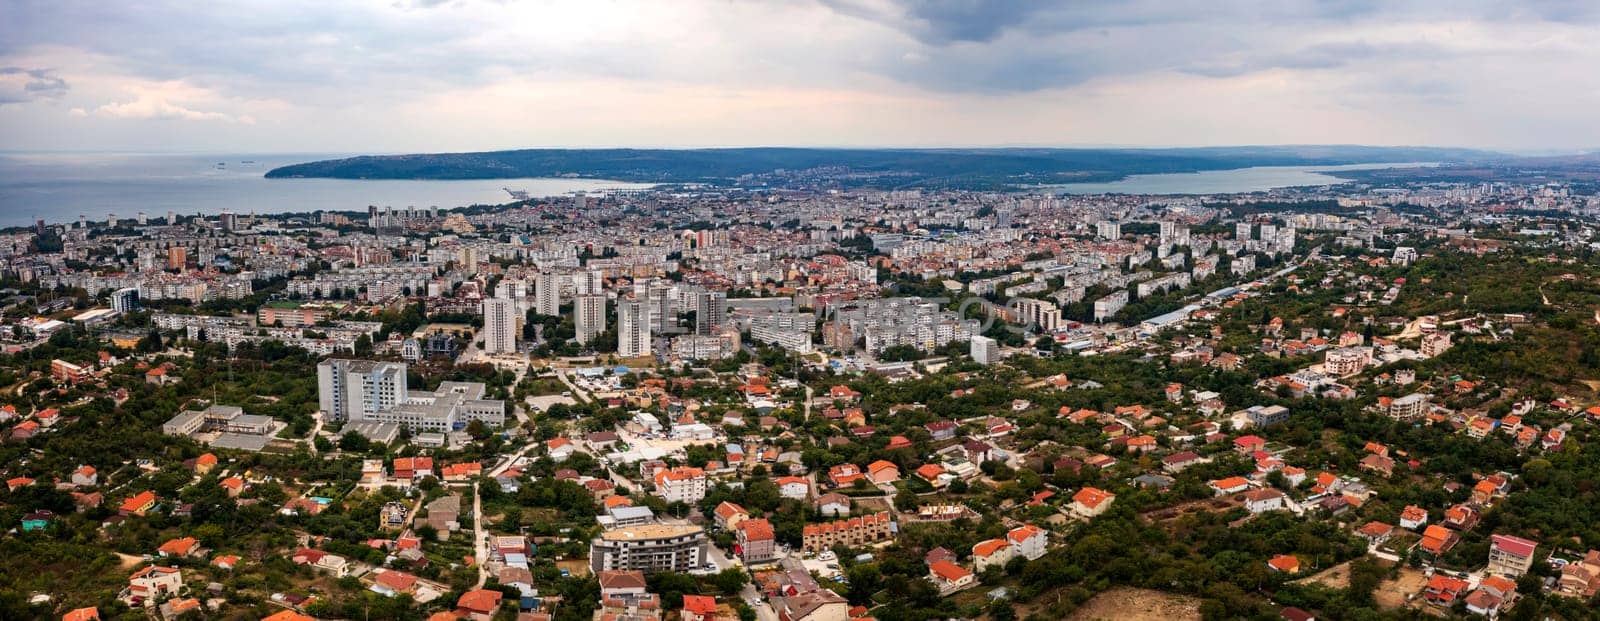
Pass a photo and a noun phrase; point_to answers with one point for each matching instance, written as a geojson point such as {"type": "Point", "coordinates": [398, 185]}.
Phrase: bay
{"type": "Point", "coordinates": [1234, 181]}
{"type": "Point", "coordinates": [59, 187]}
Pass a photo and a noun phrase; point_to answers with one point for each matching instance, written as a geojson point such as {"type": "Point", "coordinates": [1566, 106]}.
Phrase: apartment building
{"type": "Point", "coordinates": [855, 531]}
{"type": "Point", "coordinates": [650, 548]}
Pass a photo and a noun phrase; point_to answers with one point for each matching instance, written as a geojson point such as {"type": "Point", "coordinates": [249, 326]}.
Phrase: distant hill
{"type": "Point", "coordinates": [973, 168]}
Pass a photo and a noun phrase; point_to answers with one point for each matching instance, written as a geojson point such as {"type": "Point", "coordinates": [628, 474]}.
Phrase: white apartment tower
{"type": "Point", "coordinates": [985, 350]}
{"type": "Point", "coordinates": [589, 316]}
{"type": "Point", "coordinates": [547, 294]}
{"type": "Point", "coordinates": [589, 282]}
{"type": "Point", "coordinates": [633, 327]}
{"type": "Point", "coordinates": [500, 326]}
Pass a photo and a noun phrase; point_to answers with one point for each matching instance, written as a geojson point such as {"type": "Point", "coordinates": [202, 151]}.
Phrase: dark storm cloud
{"type": "Point", "coordinates": [20, 85]}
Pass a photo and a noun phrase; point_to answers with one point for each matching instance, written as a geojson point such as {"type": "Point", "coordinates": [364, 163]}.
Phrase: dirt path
{"type": "Point", "coordinates": [1128, 604]}
{"type": "Point", "coordinates": [128, 561]}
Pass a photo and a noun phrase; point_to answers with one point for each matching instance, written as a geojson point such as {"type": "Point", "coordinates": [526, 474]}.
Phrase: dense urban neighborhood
{"type": "Point", "coordinates": [821, 403]}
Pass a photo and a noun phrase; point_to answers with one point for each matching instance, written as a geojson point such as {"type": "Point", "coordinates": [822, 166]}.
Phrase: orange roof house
{"type": "Point", "coordinates": [139, 504]}
{"type": "Point", "coordinates": [82, 614]}
{"type": "Point", "coordinates": [182, 546]}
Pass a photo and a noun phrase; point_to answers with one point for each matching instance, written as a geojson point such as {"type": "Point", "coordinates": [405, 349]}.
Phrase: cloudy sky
{"type": "Point", "coordinates": [418, 75]}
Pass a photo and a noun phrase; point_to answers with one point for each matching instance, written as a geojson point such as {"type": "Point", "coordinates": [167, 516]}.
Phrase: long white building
{"type": "Point", "coordinates": [374, 391]}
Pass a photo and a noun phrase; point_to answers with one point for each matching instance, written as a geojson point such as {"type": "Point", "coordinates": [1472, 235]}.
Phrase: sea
{"type": "Point", "coordinates": [59, 187]}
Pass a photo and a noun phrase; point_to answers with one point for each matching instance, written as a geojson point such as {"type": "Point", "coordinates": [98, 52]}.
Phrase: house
{"type": "Point", "coordinates": [698, 608]}
{"type": "Point", "coordinates": [794, 487]}
{"type": "Point", "coordinates": [833, 504]}
{"type": "Point", "coordinates": [478, 604]}
{"type": "Point", "coordinates": [727, 514]}
{"type": "Point", "coordinates": [1245, 445]}
{"type": "Point", "coordinates": [1375, 532]}
{"type": "Point", "coordinates": [1090, 502]}
{"type": "Point", "coordinates": [153, 582]}
{"type": "Point", "coordinates": [1510, 556]}
{"type": "Point", "coordinates": [1462, 517]}
{"type": "Point", "coordinates": [174, 608]}
{"type": "Point", "coordinates": [233, 486]}
{"type": "Point", "coordinates": [883, 471]}
{"type": "Point", "coordinates": [992, 553]}
{"type": "Point", "coordinates": [1284, 564]}
{"type": "Point", "coordinates": [1445, 590]}
{"type": "Point", "coordinates": [622, 584]}
{"type": "Point", "coordinates": [391, 582]}
{"type": "Point", "coordinates": [932, 473]}
{"type": "Point", "coordinates": [814, 605]}
{"type": "Point", "coordinates": [37, 520]}
{"type": "Point", "coordinates": [1581, 578]}
{"type": "Point", "coordinates": [1413, 517]}
{"type": "Point", "coordinates": [139, 504]}
{"type": "Point", "coordinates": [560, 449]}
{"type": "Point", "coordinates": [1029, 540]}
{"type": "Point", "coordinates": [82, 614]}
{"type": "Point", "coordinates": [1263, 500]}
{"type": "Point", "coordinates": [1437, 540]}
{"type": "Point", "coordinates": [1492, 594]}
{"type": "Point", "coordinates": [85, 476]}
{"type": "Point", "coordinates": [457, 473]}
{"type": "Point", "coordinates": [1378, 464]}
{"type": "Point", "coordinates": [1230, 485]}
{"type": "Point", "coordinates": [844, 474]}
{"type": "Point", "coordinates": [757, 542]}
{"type": "Point", "coordinates": [949, 577]}
{"type": "Point", "coordinates": [1295, 614]}
{"type": "Point", "coordinates": [290, 615]}
{"type": "Point", "coordinates": [1178, 462]}
{"type": "Point", "coordinates": [942, 430]}
{"type": "Point", "coordinates": [204, 464]}
{"type": "Point", "coordinates": [178, 548]}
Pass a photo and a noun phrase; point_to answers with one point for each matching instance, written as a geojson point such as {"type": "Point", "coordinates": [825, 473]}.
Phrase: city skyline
{"type": "Point", "coordinates": [468, 76]}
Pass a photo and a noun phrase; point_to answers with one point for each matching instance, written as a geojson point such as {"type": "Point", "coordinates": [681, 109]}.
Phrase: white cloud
{"type": "Point", "coordinates": [156, 107]}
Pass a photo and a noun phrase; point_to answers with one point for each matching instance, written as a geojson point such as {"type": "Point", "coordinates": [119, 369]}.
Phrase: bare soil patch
{"type": "Point", "coordinates": [1129, 604]}
{"type": "Point", "coordinates": [1392, 594]}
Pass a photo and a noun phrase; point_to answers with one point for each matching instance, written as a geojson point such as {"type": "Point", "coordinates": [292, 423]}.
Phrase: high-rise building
{"type": "Point", "coordinates": [1242, 231]}
{"type": "Point", "coordinates": [711, 312]}
{"type": "Point", "coordinates": [1106, 229]}
{"type": "Point", "coordinates": [547, 294]}
{"type": "Point", "coordinates": [125, 300]}
{"type": "Point", "coordinates": [633, 327]}
{"type": "Point", "coordinates": [356, 389]}
{"type": "Point", "coordinates": [500, 326]}
{"type": "Point", "coordinates": [228, 220]}
{"type": "Point", "coordinates": [589, 317]}
{"type": "Point", "coordinates": [589, 282]}
{"type": "Point", "coordinates": [177, 257]}
{"type": "Point", "coordinates": [985, 350]}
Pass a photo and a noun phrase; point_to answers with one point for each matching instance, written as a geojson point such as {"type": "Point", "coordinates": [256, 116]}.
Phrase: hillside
{"type": "Point", "coordinates": [985, 168]}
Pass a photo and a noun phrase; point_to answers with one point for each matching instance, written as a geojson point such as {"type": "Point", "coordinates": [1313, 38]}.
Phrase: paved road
{"type": "Point", "coordinates": [481, 538]}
